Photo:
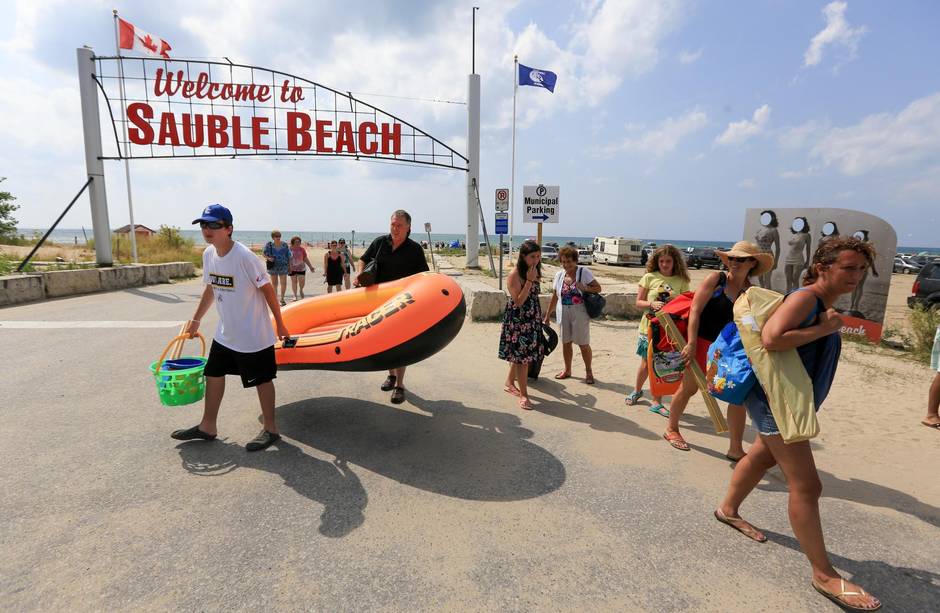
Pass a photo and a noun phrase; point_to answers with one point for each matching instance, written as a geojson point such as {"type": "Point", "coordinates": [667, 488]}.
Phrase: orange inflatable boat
{"type": "Point", "coordinates": [383, 326]}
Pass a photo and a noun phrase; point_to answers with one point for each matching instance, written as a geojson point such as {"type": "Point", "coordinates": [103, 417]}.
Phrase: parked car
{"type": "Point", "coordinates": [926, 290]}
{"type": "Point", "coordinates": [549, 253]}
{"type": "Point", "coordinates": [905, 265]}
{"type": "Point", "coordinates": [702, 257]}
{"type": "Point", "coordinates": [585, 257]}
{"type": "Point", "coordinates": [648, 250]}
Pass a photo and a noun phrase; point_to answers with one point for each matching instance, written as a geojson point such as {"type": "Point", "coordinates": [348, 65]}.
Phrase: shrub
{"type": "Point", "coordinates": [924, 324]}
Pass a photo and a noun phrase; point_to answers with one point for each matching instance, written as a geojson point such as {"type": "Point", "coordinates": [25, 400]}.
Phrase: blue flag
{"type": "Point", "coordinates": [538, 78]}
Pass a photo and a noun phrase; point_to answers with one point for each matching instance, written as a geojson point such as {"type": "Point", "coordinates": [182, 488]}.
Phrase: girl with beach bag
{"type": "Point", "coordinates": [804, 321]}
{"type": "Point", "coordinates": [520, 340]}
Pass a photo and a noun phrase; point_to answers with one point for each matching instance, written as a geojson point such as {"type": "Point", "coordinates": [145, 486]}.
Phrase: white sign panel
{"type": "Point", "coordinates": [502, 199]}
{"type": "Point", "coordinates": [540, 203]}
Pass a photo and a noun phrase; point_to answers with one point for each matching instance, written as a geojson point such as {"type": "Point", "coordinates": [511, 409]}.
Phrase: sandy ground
{"type": "Point", "coordinates": [455, 500]}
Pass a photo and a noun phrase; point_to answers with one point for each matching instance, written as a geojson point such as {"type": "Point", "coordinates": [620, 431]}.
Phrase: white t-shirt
{"type": "Point", "coordinates": [581, 275]}
{"type": "Point", "coordinates": [244, 321]}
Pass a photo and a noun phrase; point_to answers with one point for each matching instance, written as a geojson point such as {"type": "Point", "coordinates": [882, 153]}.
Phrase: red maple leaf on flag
{"type": "Point", "coordinates": [148, 42]}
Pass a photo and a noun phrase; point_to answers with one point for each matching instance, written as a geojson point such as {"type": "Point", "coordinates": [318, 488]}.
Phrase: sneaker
{"type": "Point", "coordinates": [283, 303]}
{"type": "Point", "coordinates": [190, 434]}
{"type": "Point", "coordinates": [264, 440]}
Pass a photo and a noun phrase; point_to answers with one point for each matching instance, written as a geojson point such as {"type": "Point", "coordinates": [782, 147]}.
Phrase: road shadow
{"type": "Point", "coordinates": [157, 297]}
{"type": "Point", "coordinates": [448, 448]}
{"type": "Point", "coordinates": [899, 588]}
{"type": "Point", "coordinates": [331, 484]}
{"type": "Point", "coordinates": [580, 408]}
{"type": "Point", "coordinates": [869, 494]}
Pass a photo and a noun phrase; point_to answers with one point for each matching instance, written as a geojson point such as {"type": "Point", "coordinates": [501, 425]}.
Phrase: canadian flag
{"type": "Point", "coordinates": [132, 37]}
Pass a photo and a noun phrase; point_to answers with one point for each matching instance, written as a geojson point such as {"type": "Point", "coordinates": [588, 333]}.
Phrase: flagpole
{"type": "Point", "coordinates": [512, 180]}
{"type": "Point", "coordinates": [127, 165]}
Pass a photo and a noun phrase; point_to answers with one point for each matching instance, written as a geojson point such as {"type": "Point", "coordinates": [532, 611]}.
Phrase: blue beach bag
{"type": "Point", "coordinates": [729, 374]}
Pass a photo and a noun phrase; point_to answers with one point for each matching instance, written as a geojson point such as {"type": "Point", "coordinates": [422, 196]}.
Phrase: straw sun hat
{"type": "Point", "coordinates": [745, 249]}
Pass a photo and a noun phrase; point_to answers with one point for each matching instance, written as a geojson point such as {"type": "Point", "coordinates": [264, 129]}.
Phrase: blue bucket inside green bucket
{"type": "Point", "coordinates": [180, 386]}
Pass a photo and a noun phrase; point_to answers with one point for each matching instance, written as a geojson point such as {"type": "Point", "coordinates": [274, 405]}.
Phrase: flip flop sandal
{"type": "Point", "coordinates": [935, 426]}
{"type": "Point", "coordinates": [511, 389]}
{"type": "Point", "coordinates": [525, 405]}
{"type": "Point", "coordinates": [562, 375]}
{"type": "Point", "coordinates": [675, 439]}
{"type": "Point", "coordinates": [389, 384]}
{"type": "Point", "coordinates": [747, 529]}
{"type": "Point", "coordinates": [659, 409]}
{"type": "Point", "coordinates": [734, 459]}
{"type": "Point", "coordinates": [190, 434]}
{"type": "Point", "coordinates": [398, 395]}
{"type": "Point", "coordinates": [589, 379]}
{"type": "Point", "coordinates": [264, 440]}
{"type": "Point", "coordinates": [839, 598]}
{"type": "Point", "coordinates": [632, 398]}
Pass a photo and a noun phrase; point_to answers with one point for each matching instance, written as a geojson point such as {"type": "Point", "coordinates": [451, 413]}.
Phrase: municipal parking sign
{"type": "Point", "coordinates": [540, 203]}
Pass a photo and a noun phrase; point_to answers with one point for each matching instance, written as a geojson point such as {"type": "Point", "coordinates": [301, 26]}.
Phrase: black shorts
{"type": "Point", "coordinates": [295, 273]}
{"type": "Point", "coordinates": [254, 368]}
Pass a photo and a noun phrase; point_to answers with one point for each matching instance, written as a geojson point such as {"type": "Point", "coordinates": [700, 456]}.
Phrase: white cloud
{"type": "Point", "coordinates": [663, 138]}
{"type": "Point", "coordinates": [747, 184]}
{"type": "Point", "coordinates": [884, 140]}
{"type": "Point", "coordinates": [739, 131]}
{"type": "Point", "coordinates": [803, 135]}
{"type": "Point", "coordinates": [837, 32]}
{"type": "Point", "coordinates": [690, 57]}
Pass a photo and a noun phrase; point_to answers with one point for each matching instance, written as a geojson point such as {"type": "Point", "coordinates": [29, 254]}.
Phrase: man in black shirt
{"type": "Point", "coordinates": [397, 257]}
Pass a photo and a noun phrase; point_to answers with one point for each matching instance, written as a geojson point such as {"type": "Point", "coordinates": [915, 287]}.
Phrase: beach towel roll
{"type": "Point", "coordinates": [781, 374]}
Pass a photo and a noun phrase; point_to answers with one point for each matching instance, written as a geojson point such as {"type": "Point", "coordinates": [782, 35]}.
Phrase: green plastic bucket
{"type": "Point", "coordinates": [179, 387]}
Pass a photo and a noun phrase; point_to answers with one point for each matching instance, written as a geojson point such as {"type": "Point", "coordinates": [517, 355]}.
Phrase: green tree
{"type": "Point", "coordinates": [7, 223]}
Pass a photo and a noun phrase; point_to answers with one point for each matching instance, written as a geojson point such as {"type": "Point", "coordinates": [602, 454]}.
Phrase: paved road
{"type": "Point", "coordinates": [454, 501]}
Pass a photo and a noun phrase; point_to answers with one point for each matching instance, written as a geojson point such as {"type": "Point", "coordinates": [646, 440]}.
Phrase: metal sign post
{"type": "Point", "coordinates": [502, 227]}
{"type": "Point", "coordinates": [427, 228]}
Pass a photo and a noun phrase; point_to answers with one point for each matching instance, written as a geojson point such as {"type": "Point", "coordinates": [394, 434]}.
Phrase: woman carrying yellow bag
{"type": "Point", "coordinates": [805, 321]}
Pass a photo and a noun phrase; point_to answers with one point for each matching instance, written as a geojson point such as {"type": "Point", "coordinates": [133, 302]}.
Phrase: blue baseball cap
{"type": "Point", "coordinates": [215, 212]}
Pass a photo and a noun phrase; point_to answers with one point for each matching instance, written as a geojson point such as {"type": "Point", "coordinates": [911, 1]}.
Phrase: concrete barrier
{"type": "Point", "coordinates": [485, 303]}
{"type": "Point", "coordinates": [21, 288]}
{"type": "Point", "coordinates": [15, 289]}
{"type": "Point", "coordinates": [69, 282]}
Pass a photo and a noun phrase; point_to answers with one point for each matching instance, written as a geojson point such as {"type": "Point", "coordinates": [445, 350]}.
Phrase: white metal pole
{"type": "Point", "coordinates": [88, 91]}
{"type": "Point", "coordinates": [473, 174]}
{"type": "Point", "coordinates": [127, 164]}
{"type": "Point", "coordinates": [512, 180]}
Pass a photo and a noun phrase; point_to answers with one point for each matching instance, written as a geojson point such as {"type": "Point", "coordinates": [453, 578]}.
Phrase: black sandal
{"type": "Point", "coordinates": [398, 395]}
{"type": "Point", "coordinates": [264, 440]}
{"type": "Point", "coordinates": [389, 384]}
{"type": "Point", "coordinates": [190, 434]}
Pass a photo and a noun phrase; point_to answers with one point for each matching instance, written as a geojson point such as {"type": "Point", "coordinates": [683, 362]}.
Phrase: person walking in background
{"type": "Point", "coordinates": [277, 255]}
{"type": "Point", "coordinates": [768, 239]}
{"type": "Point", "coordinates": [933, 397]}
{"type": "Point", "coordinates": [712, 309]}
{"type": "Point", "coordinates": [243, 343]}
{"type": "Point", "coordinates": [396, 257]}
{"type": "Point", "coordinates": [298, 274]}
{"type": "Point", "coordinates": [798, 253]}
{"type": "Point", "coordinates": [569, 286]}
{"type": "Point", "coordinates": [666, 277]}
{"type": "Point", "coordinates": [333, 268]}
{"type": "Point", "coordinates": [347, 262]}
{"type": "Point", "coordinates": [520, 338]}
{"type": "Point", "coordinates": [805, 321]}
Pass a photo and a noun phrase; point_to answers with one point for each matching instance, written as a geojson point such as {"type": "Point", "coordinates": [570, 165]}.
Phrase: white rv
{"type": "Point", "coordinates": [617, 250]}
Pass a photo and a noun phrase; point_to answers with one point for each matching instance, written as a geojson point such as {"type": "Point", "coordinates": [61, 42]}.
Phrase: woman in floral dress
{"type": "Point", "coordinates": [520, 340]}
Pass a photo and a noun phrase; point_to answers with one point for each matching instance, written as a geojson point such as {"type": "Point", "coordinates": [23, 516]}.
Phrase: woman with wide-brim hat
{"type": "Point", "coordinates": [712, 309]}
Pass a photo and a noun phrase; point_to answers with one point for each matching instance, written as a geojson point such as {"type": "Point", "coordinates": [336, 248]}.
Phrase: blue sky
{"type": "Point", "coordinates": [669, 118]}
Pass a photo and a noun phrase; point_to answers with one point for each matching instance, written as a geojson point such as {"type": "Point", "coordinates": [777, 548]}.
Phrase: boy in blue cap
{"type": "Point", "coordinates": [236, 280]}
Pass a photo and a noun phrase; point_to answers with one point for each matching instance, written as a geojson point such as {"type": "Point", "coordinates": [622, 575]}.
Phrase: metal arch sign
{"type": "Point", "coordinates": [187, 108]}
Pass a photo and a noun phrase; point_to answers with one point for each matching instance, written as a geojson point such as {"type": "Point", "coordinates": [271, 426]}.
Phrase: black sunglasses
{"type": "Point", "coordinates": [735, 258]}
{"type": "Point", "coordinates": [212, 225]}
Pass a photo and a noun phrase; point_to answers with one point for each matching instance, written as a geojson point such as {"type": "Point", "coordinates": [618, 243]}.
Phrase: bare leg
{"type": "Point", "coordinates": [329, 289]}
{"type": "Point", "coordinates": [302, 281]}
{"type": "Point", "coordinates": [399, 375]}
{"type": "Point", "coordinates": [522, 373]}
{"type": "Point", "coordinates": [736, 419]}
{"type": "Point", "coordinates": [566, 353]}
{"type": "Point", "coordinates": [346, 280]}
{"type": "Point", "coordinates": [587, 356]}
{"type": "Point", "coordinates": [215, 389]}
{"type": "Point", "coordinates": [274, 283]}
{"type": "Point", "coordinates": [283, 286]}
{"type": "Point", "coordinates": [796, 461]}
{"type": "Point", "coordinates": [266, 398]}
{"type": "Point", "coordinates": [293, 285]}
{"type": "Point", "coordinates": [510, 385]}
{"type": "Point", "coordinates": [641, 376]}
{"type": "Point", "coordinates": [680, 400]}
{"type": "Point", "coordinates": [933, 402]}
